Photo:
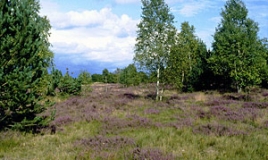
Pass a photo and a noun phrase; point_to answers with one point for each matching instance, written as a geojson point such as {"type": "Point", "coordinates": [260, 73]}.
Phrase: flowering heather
{"type": "Point", "coordinates": [182, 122]}
{"type": "Point", "coordinates": [249, 114]}
{"type": "Point", "coordinates": [265, 94]}
{"type": "Point", "coordinates": [219, 101]}
{"type": "Point", "coordinates": [150, 154]}
{"type": "Point", "coordinates": [237, 96]}
{"type": "Point", "coordinates": [217, 130]}
{"type": "Point", "coordinates": [233, 116]}
{"type": "Point", "coordinates": [260, 105]}
{"type": "Point", "coordinates": [162, 105]}
{"type": "Point", "coordinates": [203, 114]}
{"type": "Point", "coordinates": [114, 125]}
{"type": "Point", "coordinates": [219, 110]}
{"type": "Point", "coordinates": [65, 119]}
{"type": "Point", "coordinates": [151, 111]}
{"type": "Point", "coordinates": [118, 118]}
{"type": "Point", "coordinates": [119, 102]}
{"type": "Point", "coordinates": [175, 98]}
{"type": "Point", "coordinates": [99, 143]}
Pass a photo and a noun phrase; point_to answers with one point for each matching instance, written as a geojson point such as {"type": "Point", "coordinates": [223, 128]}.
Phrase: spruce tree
{"type": "Point", "coordinates": [24, 59]}
{"type": "Point", "coordinates": [54, 80]}
{"type": "Point", "coordinates": [69, 85]}
{"type": "Point", "coordinates": [155, 36]}
{"type": "Point", "coordinates": [237, 54]}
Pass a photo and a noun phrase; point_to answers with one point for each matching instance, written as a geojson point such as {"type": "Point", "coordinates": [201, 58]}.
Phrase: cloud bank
{"type": "Point", "coordinates": [103, 33]}
{"type": "Point", "coordinates": [92, 35]}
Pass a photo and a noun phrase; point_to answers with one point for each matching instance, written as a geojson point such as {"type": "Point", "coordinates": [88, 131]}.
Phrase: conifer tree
{"type": "Point", "coordinates": [54, 80]}
{"type": "Point", "coordinates": [24, 59]}
{"type": "Point", "coordinates": [237, 53]}
{"type": "Point", "coordinates": [69, 85]}
{"type": "Point", "coordinates": [155, 36]}
{"type": "Point", "coordinates": [84, 78]}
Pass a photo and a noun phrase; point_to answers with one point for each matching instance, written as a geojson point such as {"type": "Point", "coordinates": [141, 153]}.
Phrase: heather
{"type": "Point", "coordinates": [110, 121]}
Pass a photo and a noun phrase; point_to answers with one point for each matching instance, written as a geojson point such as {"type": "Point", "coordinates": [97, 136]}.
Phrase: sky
{"type": "Point", "coordinates": [91, 35]}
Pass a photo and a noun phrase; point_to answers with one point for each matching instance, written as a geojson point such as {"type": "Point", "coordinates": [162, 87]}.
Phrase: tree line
{"type": "Point", "coordinates": [238, 58]}
{"type": "Point", "coordinates": [163, 55]}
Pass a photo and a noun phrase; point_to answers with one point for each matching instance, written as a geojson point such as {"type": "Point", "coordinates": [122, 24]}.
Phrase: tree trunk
{"type": "Point", "coordinates": [182, 77]}
{"type": "Point", "coordinates": [238, 87]}
{"type": "Point", "coordinates": [161, 95]}
{"type": "Point", "coordinates": [157, 83]}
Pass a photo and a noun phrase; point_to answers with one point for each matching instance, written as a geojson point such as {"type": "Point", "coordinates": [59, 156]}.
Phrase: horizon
{"type": "Point", "coordinates": [97, 34]}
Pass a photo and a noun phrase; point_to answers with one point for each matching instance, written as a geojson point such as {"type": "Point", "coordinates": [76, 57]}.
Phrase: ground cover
{"type": "Point", "coordinates": [112, 122]}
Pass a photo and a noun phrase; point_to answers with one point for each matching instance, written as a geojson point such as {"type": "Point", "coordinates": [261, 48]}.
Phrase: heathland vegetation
{"type": "Point", "coordinates": [177, 100]}
{"type": "Point", "coordinates": [114, 122]}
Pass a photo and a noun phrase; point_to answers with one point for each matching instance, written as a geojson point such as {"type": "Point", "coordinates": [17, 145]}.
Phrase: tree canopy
{"type": "Point", "coordinates": [238, 53]}
{"type": "Point", "coordinates": [155, 36]}
{"type": "Point", "coordinates": [24, 59]}
{"type": "Point", "coordinates": [185, 63]}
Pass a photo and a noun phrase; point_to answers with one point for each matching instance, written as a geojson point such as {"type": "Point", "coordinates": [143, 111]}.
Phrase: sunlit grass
{"type": "Point", "coordinates": [58, 146]}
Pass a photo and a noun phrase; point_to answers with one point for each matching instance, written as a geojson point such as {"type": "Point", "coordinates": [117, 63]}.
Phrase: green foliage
{"type": "Point", "coordinates": [238, 54]}
{"type": "Point", "coordinates": [69, 85]}
{"type": "Point", "coordinates": [96, 77]}
{"type": "Point", "coordinates": [24, 59]}
{"type": "Point", "coordinates": [185, 63]}
{"type": "Point", "coordinates": [155, 36]}
{"type": "Point", "coordinates": [264, 69]}
{"type": "Point", "coordinates": [84, 77]}
{"type": "Point", "coordinates": [143, 77]}
{"type": "Point", "coordinates": [130, 76]}
{"type": "Point", "coordinates": [54, 81]}
{"type": "Point", "coordinates": [108, 77]}
{"type": "Point", "coordinates": [105, 75]}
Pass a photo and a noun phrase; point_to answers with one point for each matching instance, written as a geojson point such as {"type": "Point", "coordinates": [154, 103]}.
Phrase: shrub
{"type": "Point", "coordinates": [69, 85]}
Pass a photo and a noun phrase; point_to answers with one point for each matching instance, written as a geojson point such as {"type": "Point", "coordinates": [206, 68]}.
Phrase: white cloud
{"type": "Point", "coordinates": [98, 35]}
{"type": "Point", "coordinates": [87, 18]}
{"type": "Point", "coordinates": [189, 8]}
{"type": "Point", "coordinates": [47, 7]}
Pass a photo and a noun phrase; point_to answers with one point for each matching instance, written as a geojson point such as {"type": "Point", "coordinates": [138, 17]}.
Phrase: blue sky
{"type": "Point", "coordinates": [95, 34]}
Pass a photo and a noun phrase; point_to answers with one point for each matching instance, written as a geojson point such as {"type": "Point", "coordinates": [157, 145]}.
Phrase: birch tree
{"type": "Point", "coordinates": [238, 53]}
{"type": "Point", "coordinates": [185, 61]}
{"type": "Point", "coordinates": [155, 37]}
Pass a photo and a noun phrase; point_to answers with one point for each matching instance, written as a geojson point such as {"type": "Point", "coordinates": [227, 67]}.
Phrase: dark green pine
{"type": "Point", "coordinates": [24, 58]}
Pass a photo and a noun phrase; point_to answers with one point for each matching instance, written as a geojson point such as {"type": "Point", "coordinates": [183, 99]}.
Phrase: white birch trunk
{"type": "Point", "coordinates": [157, 83]}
